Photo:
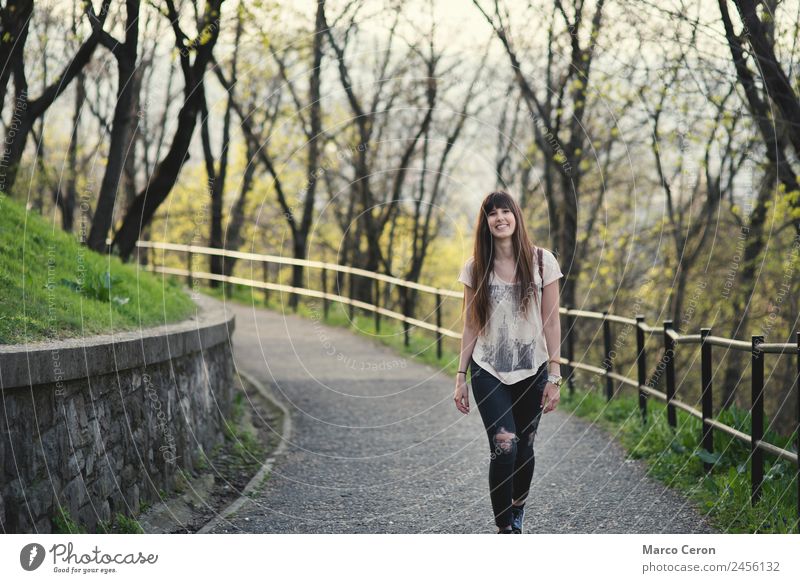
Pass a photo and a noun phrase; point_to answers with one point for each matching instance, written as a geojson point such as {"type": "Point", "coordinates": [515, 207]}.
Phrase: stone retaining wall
{"type": "Point", "coordinates": [101, 425]}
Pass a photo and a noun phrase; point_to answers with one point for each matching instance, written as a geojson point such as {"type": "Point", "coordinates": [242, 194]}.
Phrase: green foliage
{"type": "Point", "coordinates": [246, 447]}
{"type": "Point", "coordinates": [120, 524]}
{"type": "Point", "coordinates": [64, 524]}
{"type": "Point", "coordinates": [97, 286]}
{"type": "Point", "coordinates": [53, 287]}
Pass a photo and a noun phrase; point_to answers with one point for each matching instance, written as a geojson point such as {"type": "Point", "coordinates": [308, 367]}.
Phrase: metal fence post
{"type": "Point", "coordinates": [295, 298]}
{"type": "Point", "coordinates": [439, 325]}
{"type": "Point", "coordinates": [325, 301]}
{"type": "Point", "coordinates": [352, 296]}
{"type": "Point", "coordinates": [569, 372]}
{"type": "Point", "coordinates": [189, 281]}
{"type": "Point", "coordinates": [406, 325]}
{"type": "Point", "coordinates": [276, 270]}
{"type": "Point", "coordinates": [607, 362]}
{"type": "Point", "coordinates": [265, 279]}
{"type": "Point", "coordinates": [669, 359]}
{"type": "Point", "coordinates": [377, 303]}
{"type": "Point", "coordinates": [797, 430]}
{"type": "Point", "coordinates": [757, 421]}
{"type": "Point", "coordinates": [707, 432]}
{"type": "Point", "coordinates": [641, 367]}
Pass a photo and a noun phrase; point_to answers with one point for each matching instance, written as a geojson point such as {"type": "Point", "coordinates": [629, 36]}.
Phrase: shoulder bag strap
{"type": "Point", "coordinates": [540, 263]}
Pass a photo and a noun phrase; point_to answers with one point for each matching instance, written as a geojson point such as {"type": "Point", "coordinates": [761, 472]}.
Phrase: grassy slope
{"type": "Point", "coordinates": [37, 304]}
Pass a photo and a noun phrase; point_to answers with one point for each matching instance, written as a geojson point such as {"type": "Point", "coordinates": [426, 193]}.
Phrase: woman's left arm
{"type": "Point", "coordinates": [551, 322]}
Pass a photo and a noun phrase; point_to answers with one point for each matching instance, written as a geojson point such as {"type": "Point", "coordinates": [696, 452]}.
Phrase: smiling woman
{"type": "Point", "coordinates": [511, 334]}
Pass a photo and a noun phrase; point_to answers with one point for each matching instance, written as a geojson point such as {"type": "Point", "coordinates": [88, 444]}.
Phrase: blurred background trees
{"type": "Point", "coordinates": [654, 146]}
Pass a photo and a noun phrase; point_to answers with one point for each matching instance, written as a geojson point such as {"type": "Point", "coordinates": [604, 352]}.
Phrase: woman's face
{"type": "Point", "coordinates": [501, 222]}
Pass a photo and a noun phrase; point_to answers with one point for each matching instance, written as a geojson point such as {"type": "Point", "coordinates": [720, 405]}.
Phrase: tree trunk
{"type": "Point", "coordinates": [301, 235]}
{"type": "Point", "coordinates": [121, 130]}
{"type": "Point", "coordinates": [166, 173]}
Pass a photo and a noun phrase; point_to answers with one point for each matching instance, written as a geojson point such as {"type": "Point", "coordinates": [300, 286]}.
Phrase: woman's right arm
{"type": "Point", "coordinates": [469, 337]}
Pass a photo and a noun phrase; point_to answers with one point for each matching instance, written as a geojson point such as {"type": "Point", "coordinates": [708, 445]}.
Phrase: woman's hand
{"type": "Point", "coordinates": [461, 394]}
{"type": "Point", "coordinates": [550, 397]}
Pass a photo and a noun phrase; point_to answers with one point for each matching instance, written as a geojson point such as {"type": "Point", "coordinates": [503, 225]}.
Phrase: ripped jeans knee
{"type": "Point", "coordinates": [505, 445]}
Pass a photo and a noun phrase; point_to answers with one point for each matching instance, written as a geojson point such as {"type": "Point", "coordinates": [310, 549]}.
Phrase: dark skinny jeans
{"type": "Point", "coordinates": [509, 409]}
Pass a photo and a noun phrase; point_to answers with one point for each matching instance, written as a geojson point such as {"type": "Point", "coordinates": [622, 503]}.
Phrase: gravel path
{"type": "Point", "coordinates": [377, 445]}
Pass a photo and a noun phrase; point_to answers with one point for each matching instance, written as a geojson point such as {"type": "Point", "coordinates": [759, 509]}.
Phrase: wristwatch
{"type": "Point", "coordinates": [555, 379]}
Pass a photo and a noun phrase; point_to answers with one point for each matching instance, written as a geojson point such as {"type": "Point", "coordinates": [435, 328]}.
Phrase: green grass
{"type": "Point", "coordinates": [675, 458]}
{"type": "Point", "coordinates": [53, 287]}
{"type": "Point", "coordinates": [672, 456]}
{"type": "Point", "coordinates": [120, 524]}
{"type": "Point", "coordinates": [63, 523]}
{"type": "Point", "coordinates": [245, 446]}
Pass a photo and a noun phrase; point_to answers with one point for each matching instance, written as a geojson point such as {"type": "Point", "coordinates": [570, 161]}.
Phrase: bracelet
{"type": "Point", "coordinates": [556, 360]}
{"type": "Point", "coordinates": [462, 371]}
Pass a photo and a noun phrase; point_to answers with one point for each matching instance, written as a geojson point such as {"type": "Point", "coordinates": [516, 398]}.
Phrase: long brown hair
{"type": "Point", "coordinates": [483, 254]}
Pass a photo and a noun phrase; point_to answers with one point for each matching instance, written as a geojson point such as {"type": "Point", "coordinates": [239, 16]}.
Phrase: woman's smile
{"type": "Point", "coordinates": [501, 222]}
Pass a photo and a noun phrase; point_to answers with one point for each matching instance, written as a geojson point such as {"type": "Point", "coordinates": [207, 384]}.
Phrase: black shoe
{"type": "Point", "coordinates": [517, 514]}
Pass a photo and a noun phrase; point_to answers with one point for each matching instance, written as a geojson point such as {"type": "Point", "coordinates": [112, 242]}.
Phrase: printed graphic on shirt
{"type": "Point", "coordinates": [503, 349]}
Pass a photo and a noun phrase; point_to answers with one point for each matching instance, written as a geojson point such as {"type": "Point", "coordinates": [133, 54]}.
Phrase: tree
{"type": "Point", "coordinates": [557, 131]}
{"type": "Point", "coordinates": [122, 127]}
{"type": "Point", "coordinates": [374, 212]}
{"type": "Point", "coordinates": [768, 86]}
{"type": "Point", "coordinates": [26, 111]}
{"type": "Point", "coordinates": [163, 178]}
{"type": "Point", "coordinates": [218, 175]}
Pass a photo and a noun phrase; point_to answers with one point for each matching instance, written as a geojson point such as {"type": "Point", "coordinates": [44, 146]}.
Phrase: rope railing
{"type": "Point", "coordinates": [757, 347]}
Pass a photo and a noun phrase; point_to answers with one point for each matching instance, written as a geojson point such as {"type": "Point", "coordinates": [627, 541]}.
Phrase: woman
{"type": "Point", "coordinates": [511, 341]}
